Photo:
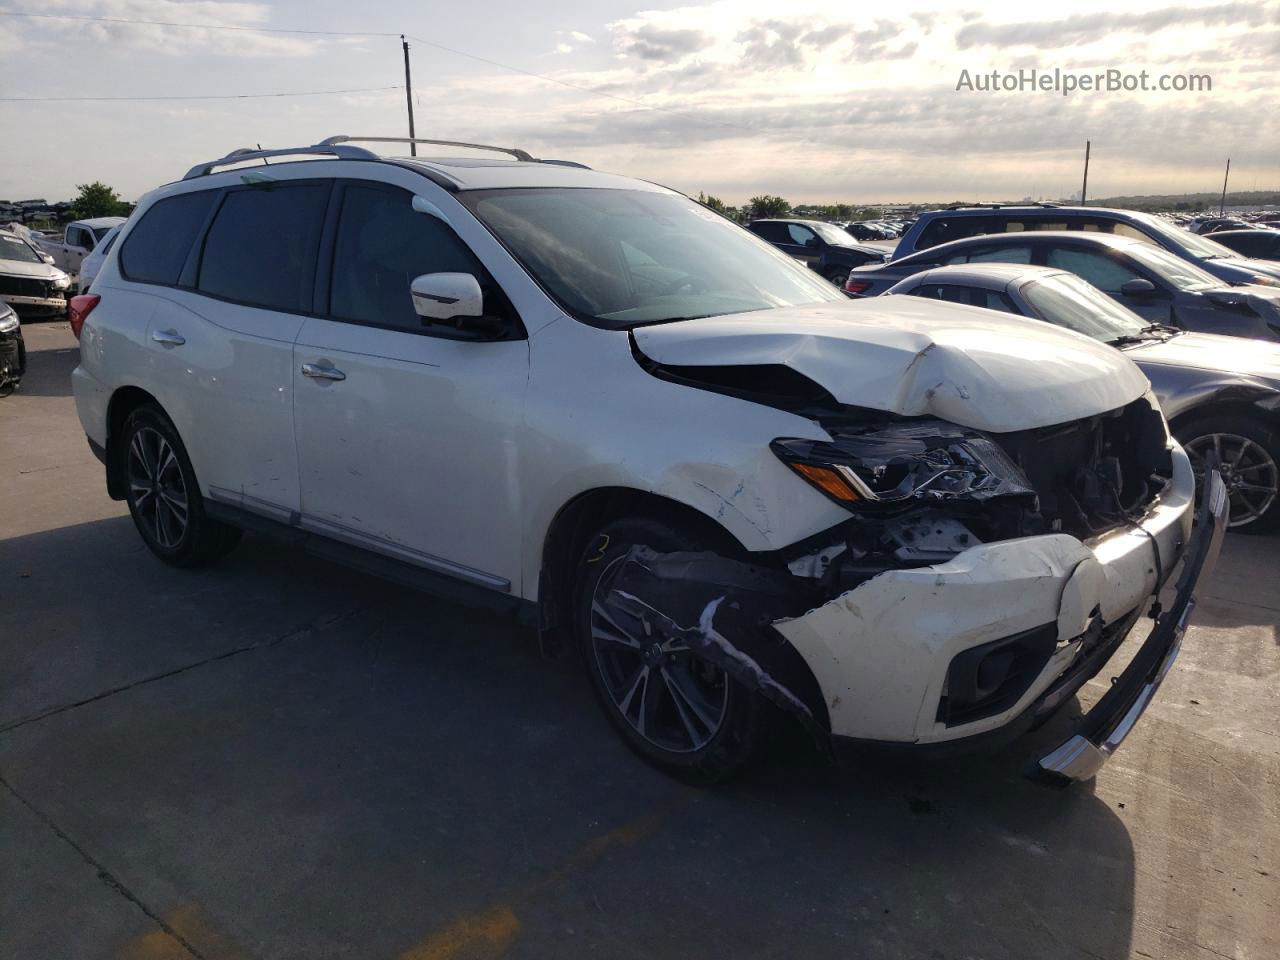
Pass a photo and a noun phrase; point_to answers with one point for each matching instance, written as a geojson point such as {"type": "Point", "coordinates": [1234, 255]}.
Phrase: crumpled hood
{"type": "Point", "coordinates": [1208, 351]}
{"type": "Point", "coordinates": [20, 268]}
{"type": "Point", "coordinates": [915, 357]}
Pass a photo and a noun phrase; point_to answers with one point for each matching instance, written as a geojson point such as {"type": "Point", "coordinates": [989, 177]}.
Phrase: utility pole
{"type": "Point", "coordinates": [1084, 188]}
{"type": "Point", "coordinates": [1223, 205]}
{"type": "Point", "coordinates": [408, 96]}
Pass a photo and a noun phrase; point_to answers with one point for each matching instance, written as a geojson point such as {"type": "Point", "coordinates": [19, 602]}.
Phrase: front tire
{"type": "Point", "coordinates": [678, 711]}
{"type": "Point", "coordinates": [164, 497]}
{"type": "Point", "coordinates": [1249, 454]}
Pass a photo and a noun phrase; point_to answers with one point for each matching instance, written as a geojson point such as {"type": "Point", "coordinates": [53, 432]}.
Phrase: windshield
{"type": "Point", "coordinates": [834, 235]}
{"type": "Point", "coordinates": [1067, 301]}
{"type": "Point", "coordinates": [1181, 273]}
{"type": "Point", "coordinates": [14, 248]}
{"type": "Point", "coordinates": [625, 257]}
{"type": "Point", "coordinates": [1193, 243]}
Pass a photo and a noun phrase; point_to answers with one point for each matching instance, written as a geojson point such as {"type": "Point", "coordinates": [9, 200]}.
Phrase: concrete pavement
{"type": "Point", "coordinates": [279, 758]}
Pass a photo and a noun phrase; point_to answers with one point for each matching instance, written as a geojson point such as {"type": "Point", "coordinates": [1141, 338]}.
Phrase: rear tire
{"type": "Point", "coordinates": [163, 494]}
{"type": "Point", "coordinates": [674, 709]}
{"type": "Point", "coordinates": [838, 278]}
{"type": "Point", "coordinates": [1250, 454]}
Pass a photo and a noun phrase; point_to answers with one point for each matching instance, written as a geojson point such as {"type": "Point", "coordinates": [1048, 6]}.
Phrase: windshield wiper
{"type": "Point", "coordinates": [1127, 340]}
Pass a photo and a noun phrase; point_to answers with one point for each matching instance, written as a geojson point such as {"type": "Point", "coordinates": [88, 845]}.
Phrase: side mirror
{"type": "Point", "coordinates": [1138, 288]}
{"type": "Point", "coordinates": [444, 296]}
{"type": "Point", "coordinates": [47, 258]}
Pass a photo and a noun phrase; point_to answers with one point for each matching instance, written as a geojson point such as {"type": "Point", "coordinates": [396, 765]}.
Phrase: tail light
{"type": "Point", "coordinates": [856, 286]}
{"type": "Point", "coordinates": [78, 311]}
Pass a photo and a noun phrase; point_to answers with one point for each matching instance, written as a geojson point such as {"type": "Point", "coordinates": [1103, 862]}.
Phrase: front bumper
{"type": "Point", "coordinates": [35, 305]}
{"type": "Point", "coordinates": [881, 652]}
{"type": "Point", "coordinates": [1105, 726]}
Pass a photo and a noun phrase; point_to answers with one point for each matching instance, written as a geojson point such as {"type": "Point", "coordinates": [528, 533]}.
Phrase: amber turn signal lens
{"type": "Point", "coordinates": [826, 480]}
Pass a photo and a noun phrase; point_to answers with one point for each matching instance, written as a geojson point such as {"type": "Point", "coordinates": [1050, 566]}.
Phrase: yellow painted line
{"type": "Point", "coordinates": [479, 937]}
{"type": "Point", "coordinates": [489, 933]}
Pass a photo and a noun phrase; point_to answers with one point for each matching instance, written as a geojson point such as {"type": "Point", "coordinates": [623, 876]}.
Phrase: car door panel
{"type": "Point", "coordinates": [413, 453]}
{"type": "Point", "coordinates": [230, 395]}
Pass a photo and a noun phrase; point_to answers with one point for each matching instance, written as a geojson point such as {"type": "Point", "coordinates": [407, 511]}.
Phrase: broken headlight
{"type": "Point", "coordinates": [922, 460]}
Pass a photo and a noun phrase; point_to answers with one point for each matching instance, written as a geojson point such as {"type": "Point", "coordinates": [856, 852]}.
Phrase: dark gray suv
{"type": "Point", "coordinates": [935, 227]}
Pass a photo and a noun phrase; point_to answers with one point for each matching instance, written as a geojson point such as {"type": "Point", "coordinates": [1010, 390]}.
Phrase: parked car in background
{"type": "Point", "coordinates": [1263, 244]}
{"type": "Point", "coordinates": [826, 249]}
{"type": "Point", "coordinates": [935, 227]}
{"type": "Point", "coordinates": [28, 283]}
{"type": "Point", "coordinates": [13, 351]}
{"type": "Point", "coordinates": [1221, 395]}
{"type": "Point", "coordinates": [92, 263]}
{"type": "Point", "coordinates": [1150, 281]}
{"type": "Point", "coordinates": [587, 399]}
{"type": "Point", "coordinates": [1216, 224]}
{"type": "Point", "coordinates": [78, 241]}
{"type": "Point", "coordinates": [863, 230]}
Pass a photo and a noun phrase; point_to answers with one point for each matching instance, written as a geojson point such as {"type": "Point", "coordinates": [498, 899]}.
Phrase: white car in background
{"type": "Point", "coordinates": [92, 263]}
{"type": "Point", "coordinates": [28, 282]}
{"type": "Point", "coordinates": [79, 239]}
{"type": "Point", "coordinates": [593, 401]}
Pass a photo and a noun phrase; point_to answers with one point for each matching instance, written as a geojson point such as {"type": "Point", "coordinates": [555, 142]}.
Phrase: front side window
{"type": "Point", "coordinates": [79, 238]}
{"type": "Point", "coordinates": [157, 246]}
{"type": "Point", "coordinates": [382, 244]}
{"type": "Point", "coordinates": [1102, 271]}
{"type": "Point", "coordinates": [695, 263]}
{"type": "Point", "coordinates": [261, 247]}
{"type": "Point", "coordinates": [1068, 301]}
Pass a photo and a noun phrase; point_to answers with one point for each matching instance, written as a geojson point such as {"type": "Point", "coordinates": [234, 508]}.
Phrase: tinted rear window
{"type": "Point", "coordinates": [261, 246]}
{"type": "Point", "coordinates": [945, 229]}
{"type": "Point", "coordinates": [157, 247]}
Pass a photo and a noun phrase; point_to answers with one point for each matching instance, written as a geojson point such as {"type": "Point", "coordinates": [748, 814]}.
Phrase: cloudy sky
{"type": "Point", "coordinates": [811, 100]}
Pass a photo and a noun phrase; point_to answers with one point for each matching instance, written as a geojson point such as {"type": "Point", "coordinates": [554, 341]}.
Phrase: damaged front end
{"type": "Point", "coordinates": [976, 573]}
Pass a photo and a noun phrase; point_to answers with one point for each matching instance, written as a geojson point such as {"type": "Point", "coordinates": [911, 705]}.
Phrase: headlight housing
{"type": "Point", "coordinates": [8, 320]}
{"type": "Point", "coordinates": [928, 460]}
{"type": "Point", "coordinates": [1265, 281]}
{"type": "Point", "coordinates": [62, 282]}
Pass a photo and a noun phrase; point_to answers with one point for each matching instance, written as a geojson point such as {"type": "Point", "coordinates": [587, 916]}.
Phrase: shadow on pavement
{"type": "Point", "coordinates": [347, 768]}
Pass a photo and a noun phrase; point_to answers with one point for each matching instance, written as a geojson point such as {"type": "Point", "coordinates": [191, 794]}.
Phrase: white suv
{"type": "Point", "coordinates": [592, 399]}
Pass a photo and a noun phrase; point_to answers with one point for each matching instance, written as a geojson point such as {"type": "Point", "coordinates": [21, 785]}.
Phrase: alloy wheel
{"type": "Point", "coordinates": [1251, 475]}
{"type": "Point", "coordinates": [157, 487]}
{"type": "Point", "coordinates": [667, 693]}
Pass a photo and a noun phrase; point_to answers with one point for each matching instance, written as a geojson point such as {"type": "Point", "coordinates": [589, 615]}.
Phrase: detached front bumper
{"type": "Point", "coordinates": [885, 653]}
{"type": "Point", "coordinates": [1105, 726]}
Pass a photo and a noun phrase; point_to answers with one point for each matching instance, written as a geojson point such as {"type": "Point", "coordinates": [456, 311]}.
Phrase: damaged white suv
{"type": "Point", "coordinates": [598, 402]}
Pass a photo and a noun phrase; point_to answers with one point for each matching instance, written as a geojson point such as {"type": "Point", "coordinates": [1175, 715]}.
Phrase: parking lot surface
{"type": "Point", "coordinates": [279, 758]}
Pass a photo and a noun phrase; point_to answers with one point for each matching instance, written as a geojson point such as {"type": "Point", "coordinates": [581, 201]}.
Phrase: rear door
{"type": "Point", "coordinates": [221, 337]}
{"type": "Point", "coordinates": [408, 431]}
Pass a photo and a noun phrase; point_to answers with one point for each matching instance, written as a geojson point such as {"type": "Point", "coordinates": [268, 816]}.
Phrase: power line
{"type": "Point", "coordinates": [191, 26]}
{"type": "Point", "coordinates": [211, 96]}
{"type": "Point", "coordinates": [341, 33]}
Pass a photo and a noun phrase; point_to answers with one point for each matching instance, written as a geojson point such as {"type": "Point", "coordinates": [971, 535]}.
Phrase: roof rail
{"type": "Point", "coordinates": [510, 151]}
{"type": "Point", "coordinates": [249, 153]}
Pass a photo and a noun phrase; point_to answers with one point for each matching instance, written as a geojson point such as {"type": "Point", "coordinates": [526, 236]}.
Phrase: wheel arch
{"type": "Point", "coordinates": [123, 402]}
{"type": "Point", "coordinates": [586, 513]}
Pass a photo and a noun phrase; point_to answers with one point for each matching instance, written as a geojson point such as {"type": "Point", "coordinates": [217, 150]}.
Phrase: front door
{"type": "Point", "coordinates": [407, 431]}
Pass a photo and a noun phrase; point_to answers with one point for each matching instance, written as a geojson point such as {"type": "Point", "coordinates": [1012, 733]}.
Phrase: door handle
{"type": "Point", "coordinates": [170, 338]}
{"type": "Point", "coordinates": [316, 372]}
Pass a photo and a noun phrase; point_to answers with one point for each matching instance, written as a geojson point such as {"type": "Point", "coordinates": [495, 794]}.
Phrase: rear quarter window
{"type": "Point", "coordinates": [155, 249]}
